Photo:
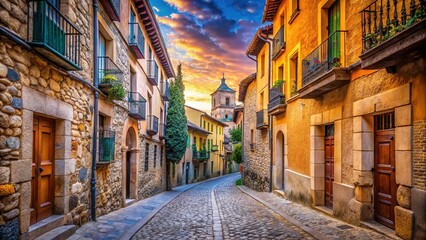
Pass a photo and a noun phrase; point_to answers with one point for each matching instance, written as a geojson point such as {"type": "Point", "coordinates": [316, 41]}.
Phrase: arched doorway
{"type": "Point", "coordinates": [130, 167]}
{"type": "Point", "coordinates": [278, 163]}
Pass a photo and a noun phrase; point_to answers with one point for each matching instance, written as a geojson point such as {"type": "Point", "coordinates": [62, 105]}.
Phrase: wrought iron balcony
{"type": "Point", "coordinates": [53, 35]}
{"type": "Point", "coordinates": [279, 43]}
{"type": "Point", "coordinates": [152, 72]}
{"type": "Point", "coordinates": [112, 8]}
{"type": "Point", "coordinates": [262, 119]}
{"type": "Point", "coordinates": [152, 125]}
{"type": "Point", "coordinates": [136, 40]}
{"type": "Point", "coordinates": [215, 148]}
{"type": "Point", "coordinates": [106, 146]}
{"type": "Point", "coordinates": [201, 155]}
{"type": "Point", "coordinates": [165, 91]}
{"type": "Point", "coordinates": [393, 33]}
{"type": "Point", "coordinates": [109, 75]}
{"type": "Point", "coordinates": [162, 131]}
{"type": "Point", "coordinates": [277, 102]}
{"type": "Point", "coordinates": [137, 106]}
{"type": "Point", "coordinates": [323, 69]}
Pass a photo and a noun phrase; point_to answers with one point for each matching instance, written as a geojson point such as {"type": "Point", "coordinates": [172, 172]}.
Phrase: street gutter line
{"type": "Point", "coordinates": [314, 233]}
{"type": "Point", "coordinates": [217, 224]}
{"type": "Point", "coordinates": [133, 230]}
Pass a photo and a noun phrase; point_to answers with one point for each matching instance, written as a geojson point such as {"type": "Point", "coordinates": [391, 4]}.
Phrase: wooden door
{"type": "Point", "coordinates": [128, 163]}
{"type": "Point", "coordinates": [384, 171]}
{"type": "Point", "coordinates": [329, 165]}
{"type": "Point", "coordinates": [43, 177]}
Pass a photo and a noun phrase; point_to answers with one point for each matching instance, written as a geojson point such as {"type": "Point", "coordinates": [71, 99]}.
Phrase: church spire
{"type": "Point", "coordinates": [223, 78]}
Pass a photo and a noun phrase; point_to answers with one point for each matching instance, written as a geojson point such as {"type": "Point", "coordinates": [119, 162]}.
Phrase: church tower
{"type": "Point", "coordinates": [223, 104]}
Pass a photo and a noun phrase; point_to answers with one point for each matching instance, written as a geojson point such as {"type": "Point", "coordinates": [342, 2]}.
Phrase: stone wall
{"type": "Point", "coordinates": [256, 162]}
{"type": "Point", "coordinates": [419, 155]}
{"type": "Point", "coordinates": [21, 68]}
{"type": "Point", "coordinates": [152, 181]}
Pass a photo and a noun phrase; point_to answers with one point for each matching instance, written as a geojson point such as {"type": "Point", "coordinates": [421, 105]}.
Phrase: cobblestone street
{"type": "Point", "coordinates": [217, 209]}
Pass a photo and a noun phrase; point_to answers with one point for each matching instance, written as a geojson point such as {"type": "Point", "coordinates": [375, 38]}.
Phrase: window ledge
{"type": "Point", "coordinates": [294, 15]}
{"type": "Point", "coordinates": [293, 98]}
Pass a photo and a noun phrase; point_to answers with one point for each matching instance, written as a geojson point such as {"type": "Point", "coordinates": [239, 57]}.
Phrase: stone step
{"type": "Point", "coordinates": [45, 226]}
{"type": "Point", "coordinates": [279, 193]}
{"type": "Point", "coordinates": [59, 233]}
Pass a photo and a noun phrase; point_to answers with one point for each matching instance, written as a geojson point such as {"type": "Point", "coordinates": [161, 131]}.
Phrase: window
{"type": "Point", "coordinates": [146, 156]}
{"type": "Point", "coordinates": [155, 156]}
{"type": "Point", "coordinates": [214, 102]}
{"type": "Point", "coordinates": [262, 64]}
{"type": "Point", "coordinates": [194, 143]}
{"type": "Point", "coordinates": [204, 124]}
{"type": "Point", "coordinates": [208, 126]}
{"type": "Point", "coordinates": [227, 101]}
{"type": "Point", "coordinates": [208, 149]}
{"type": "Point", "coordinates": [226, 116]}
{"type": "Point", "coordinates": [161, 155]}
{"type": "Point", "coordinates": [211, 167]}
{"type": "Point", "coordinates": [294, 62]}
{"type": "Point", "coordinates": [188, 141]}
{"type": "Point", "coordinates": [295, 7]}
{"type": "Point", "coordinates": [211, 128]}
{"type": "Point", "coordinates": [132, 25]}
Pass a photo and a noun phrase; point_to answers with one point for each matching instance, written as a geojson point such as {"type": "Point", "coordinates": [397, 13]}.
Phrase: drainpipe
{"type": "Point", "coordinates": [95, 110]}
{"type": "Point", "coordinates": [268, 41]}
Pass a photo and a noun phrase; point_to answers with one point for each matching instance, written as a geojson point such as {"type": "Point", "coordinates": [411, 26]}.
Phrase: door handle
{"type": "Point", "coordinates": [393, 169]}
{"type": "Point", "coordinates": [40, 170]}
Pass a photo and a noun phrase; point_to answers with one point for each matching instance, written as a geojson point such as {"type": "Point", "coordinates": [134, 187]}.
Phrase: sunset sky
{"type": "Point", "coordinates": [209, 37]}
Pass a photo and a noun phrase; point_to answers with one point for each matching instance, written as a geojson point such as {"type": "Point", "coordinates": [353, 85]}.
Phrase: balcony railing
{"type": "Point", "coordinates": [165, 91]}
{"type": "Point", "coordinates": [136, 40]}
{"type": "Point", "coordinates": [262, 119]}
{"type": "Point", "coordinates": [53, 35]}
{"type": "Point", "coordinates": [106, 146]}
{"type": "Point", "coordinates": [323, 58]}
{"type": "Point", "coordinates": [279, 43]}
{"type": "Point", "coordinates": [152, 72]}
{"type": "Point", "coordinates": [215, 148]}
{"type": "Point", "coordinates": [398, 27]}
{"type": "Point", "coordinates": [323, 69]}
{"type": "Point", "coordinates": [152, 127]}
{"type": "Point", "coordinates": [112, 8]}
{"type": "Point", "coordinates": [162, 131]}
{"type": "Point", "coordinates": [277, 99]}
{"type": "Point", "coordinates": [137, 106]}
{"type": "Point", "coordinates": [201, 155]}
{"type": "Point", "coordinates": [111, 79]}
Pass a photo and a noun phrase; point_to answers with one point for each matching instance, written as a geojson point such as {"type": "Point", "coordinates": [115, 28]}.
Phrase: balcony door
{"type": "Point", "coordinates": [333, 26]}
{"type": "Point", "coordinates": [132, 32]}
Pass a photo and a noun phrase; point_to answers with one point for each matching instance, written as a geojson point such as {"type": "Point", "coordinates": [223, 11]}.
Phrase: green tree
{"type": "Point", "coordinates": [237, 154]}
{"type": "Point", "coordinates": [176, 130]}
{"type": "Point", "coordinates": [236, 134]}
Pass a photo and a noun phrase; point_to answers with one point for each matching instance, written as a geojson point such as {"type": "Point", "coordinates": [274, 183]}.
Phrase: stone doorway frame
{"type": "Point", "coordinates": [317, 155]}
{"type": "Point", "coordinates": [130, 143]}
{"type": "Point", "coordinates": [364, 110]}
{"type": "Point", "coordinates": [37, 103]}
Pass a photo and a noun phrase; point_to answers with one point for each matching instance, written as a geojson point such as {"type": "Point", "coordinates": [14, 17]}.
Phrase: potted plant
{"type": "Point", "coordinates": [293, 91]}
{"type": "Point", "coordinates": [116, 92]}
{"type": "Point", "coordinates": [106, 83]}
{"type": "Point", "coordinates": [278, 83]}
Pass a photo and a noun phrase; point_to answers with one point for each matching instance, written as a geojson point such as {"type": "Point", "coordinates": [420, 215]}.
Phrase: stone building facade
{"type": "Point", "coordinates": [255, 142]}
{"type": "Point", "coordinates": [47, 106]}
{"type": "Point", "coordinates": [347, 123]}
